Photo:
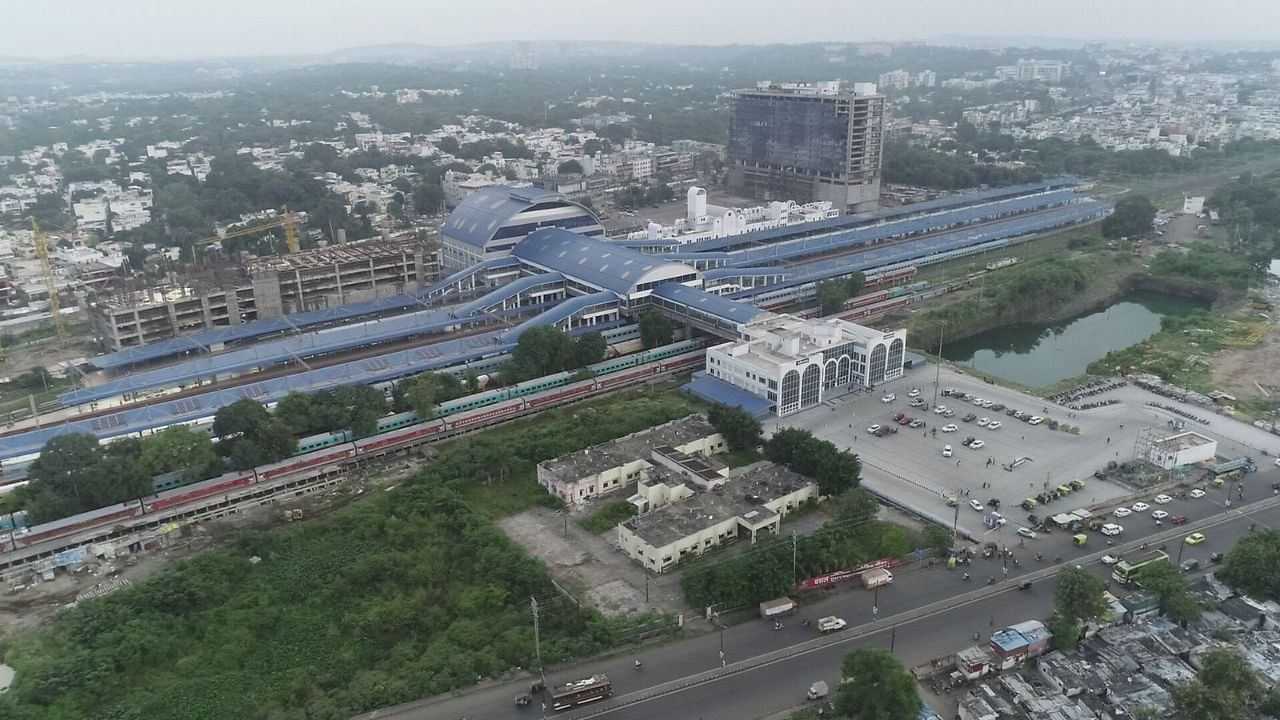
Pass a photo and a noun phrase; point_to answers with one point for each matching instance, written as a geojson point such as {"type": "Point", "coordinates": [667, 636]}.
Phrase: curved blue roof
{"type": "Point", "coordinates": [604, 265]}
{"type": "Point", "coordinates": [482, 213]}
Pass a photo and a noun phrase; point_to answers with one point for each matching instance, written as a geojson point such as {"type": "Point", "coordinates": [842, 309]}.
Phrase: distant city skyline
{"type": "Point", "coordinates": [164, 29]}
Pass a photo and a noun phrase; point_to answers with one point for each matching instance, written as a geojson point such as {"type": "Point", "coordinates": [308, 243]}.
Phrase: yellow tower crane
{"type": "Point", "coordinates": [50, 283]}
{"type": "Point", "coordinates": [285, 220]}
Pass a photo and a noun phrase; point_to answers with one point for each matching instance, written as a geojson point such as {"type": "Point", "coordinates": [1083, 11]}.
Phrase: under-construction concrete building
{"type": "Point", "coordinates": [265, 288]}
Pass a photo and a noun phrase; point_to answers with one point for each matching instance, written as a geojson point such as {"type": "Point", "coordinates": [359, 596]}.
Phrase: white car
{"type": "Point", "coordinates": [1111, 529]}
{"type": "Point", "coordinates": [1110, 559]}
{"type": "Point", "coordinates": [998, 519]}
{"type": "Point", "coordinates": [873, 429]}
{"type": "Point", "coordinates": [1122, 512]}
{"type": "Point", "coordinates": [915, 392]}
{"type": "Point", "coordinates": [888, 398]}
{"type": "Point", "coordinates": [950, 427]}
{"type": "Point", "coordinates": [1159, 514]}
{"type": "Point", "coordinates": [946, 451]}
{"type": "Point", "coordinates": [1026, 532]}
{"type": "Point", "coordinates": [1163, 499]}
{"type": "Point", "coordinates": [939, 409]}
{"type": "Point", "coordinates": [1036, 420]}
{"type": "Point", "coordinates": [1196, 493]}
{"type": "Point", "coordinates": [976, 505]}
{"type": "Point", "coordinates": [917, 402]}
{"type": "Point", "coordinates": [1139, 507]}
{"type": "Point", "coordinates": [983, 422]}
{"type": "Point", "coordinates": [993, 425]}
{"type": "Point", "coordinates": [977, 401]}
{"type": "Point", "coordinates": [976, 444]}
{"type": "Point", "coordinates": [988, 403]}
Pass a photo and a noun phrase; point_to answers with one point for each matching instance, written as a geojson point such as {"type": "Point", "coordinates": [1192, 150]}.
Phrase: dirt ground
{"type": "Point", "coordinates": [1237, 372]}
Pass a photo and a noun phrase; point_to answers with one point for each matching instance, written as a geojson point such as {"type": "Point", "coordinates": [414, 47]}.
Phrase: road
{"type": "Point", "coordinates": [744, 690]}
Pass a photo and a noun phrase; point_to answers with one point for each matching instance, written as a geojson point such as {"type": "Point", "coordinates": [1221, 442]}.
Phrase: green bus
{"type": "Point", "coordinates": [1125, 571]}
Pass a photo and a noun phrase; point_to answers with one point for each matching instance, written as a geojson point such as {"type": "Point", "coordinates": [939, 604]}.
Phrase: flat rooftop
{"type": "Point", "coordinates": [1182, 441]}
{"type": "Point", "coordinates": [636, 446]}
{"type": "Point", "coordinates": [742, 497]}
{"type": "Point", "coordinates": [336, 254]}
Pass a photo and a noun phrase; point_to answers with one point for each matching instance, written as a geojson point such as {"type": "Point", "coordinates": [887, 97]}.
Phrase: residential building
{"type": "Point", "coordinates": [895, 80]}
{"type": "Point", "coordinates": [1050, 71]}
{"type": "Point", "coordinates": [749, 506]}
{"type": "Point", "coordinates": [667, 451]}
{"type": "Point", "coordinates": [793, 362]}
{"type": "Point", "coordinates": [808, 143]}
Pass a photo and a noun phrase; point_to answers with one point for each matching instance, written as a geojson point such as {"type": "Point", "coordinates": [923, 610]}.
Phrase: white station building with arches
{"type": "Point", "coordinates": [794, 363]}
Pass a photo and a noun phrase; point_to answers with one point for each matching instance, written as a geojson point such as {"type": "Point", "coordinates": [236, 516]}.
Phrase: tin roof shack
{"type": "Point", "coordinates": [1013, 646]}
{"type": "Point", "coordinates": [1137, 606]}
{"type": "Point", "coordinates": [982, 703]}
{"type": "Point", "coordinates": [1037, 635]}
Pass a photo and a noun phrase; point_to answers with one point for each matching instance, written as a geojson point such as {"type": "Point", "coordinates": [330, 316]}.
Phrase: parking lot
{"type": "Point", "coordinates": [909, 466]}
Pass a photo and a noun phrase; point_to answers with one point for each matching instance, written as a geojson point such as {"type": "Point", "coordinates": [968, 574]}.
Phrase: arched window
{"type": "Point", "coordinates": [894, 365]}
{"type": "Point", "coordinates": [875, 370]}
{"type": "Point", "coordinates": [842, 376]}
{"type": "Point", "coordinates": [790, 398]}
{"type": "Point", "coordinates": [811, 386]}
{"type": "Point", "coordinates": [829, 374]}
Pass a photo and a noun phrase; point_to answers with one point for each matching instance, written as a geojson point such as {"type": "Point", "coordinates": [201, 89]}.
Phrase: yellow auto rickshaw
{"type": "Point", "coordinates": [1064, 490]}
{"type": "Point", "coordinates": [952, 501]}
{"type": "Point", "coordinates": [1079, 539]}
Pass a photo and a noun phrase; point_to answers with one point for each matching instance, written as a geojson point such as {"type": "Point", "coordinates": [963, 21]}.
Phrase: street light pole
{"type": "Point", "coordinates": [875, 606]}
{"type": "Point", "coordinates": [537, 644]}
{"type": "Point", "coordinates": [937, 374]}
{"type": "Point", "coordinates": [794, 541]}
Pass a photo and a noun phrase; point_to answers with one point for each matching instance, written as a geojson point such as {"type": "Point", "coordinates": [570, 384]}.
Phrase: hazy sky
{"type": "Point", "coordinates": [204, 28]}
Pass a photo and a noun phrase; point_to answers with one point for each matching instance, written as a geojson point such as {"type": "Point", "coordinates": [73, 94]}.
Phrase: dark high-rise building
{"type": "Point", "coordinates": [808, 142]}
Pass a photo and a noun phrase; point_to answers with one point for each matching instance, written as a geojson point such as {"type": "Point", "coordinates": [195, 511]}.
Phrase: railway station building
{"type": "Point", "coordinates": [490, 222]}
{"type": "Point", "coordinates": [793, 362]}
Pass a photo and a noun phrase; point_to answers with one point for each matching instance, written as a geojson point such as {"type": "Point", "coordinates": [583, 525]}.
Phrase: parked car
{"type": "Point", "coordinates": [1159, 514]}
{"type": "Point", "coordinates": [970, 417]}
{"type": "Point", "coordinates": [976, 505]}
{"type": "Point", "coordinates": [1178, 520]}
{"type": "Point", "coordinates": [1139, 507]}
{"type": "Point", "coordinates": [873, 429]}
{"type": "Point", "coordinates": [998, 407]}
{"type": "Point", "coordinates": [950, 428]}
{"type": "Point", "coordinates": [916, 424]}
{"type": "Point", "coordinates": [890, 397]}
{"type": "Point", "coordinates": [916, 402]}
{"type": "Point", "coordinates": [993, 425]}
{"type": "Point", "coordinates": [968, 441]}
{"type": "Point", "coordinates": [915, 392]}
{"type": "Point", "coordinates": [1162, 499]}
{"type": "Point", "coordinates": [1111, 529]}
{"type": "Point", "coordinates": [1190, 565]}
{"type": "Point", "coordinates": [946, 451]}
{"type": "Point", "coordinates": [1122, 512]}
{"type": "Point", "coordinates": [1196, 493]}
{"type": "Point", "coordinates": [939, 409]}
{"type": "Point", "coordinates": [1035, 420]}
{"type": "Point", "coordinates": [1027, 532]}
{"type": "Point", "coordinates": [983, 422]}
{"type": "Point", "coordinates": [976, 444]}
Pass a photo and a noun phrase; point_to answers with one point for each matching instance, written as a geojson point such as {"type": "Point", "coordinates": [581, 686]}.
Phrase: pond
{"type": "Point", "coordinates": [1040, 355]}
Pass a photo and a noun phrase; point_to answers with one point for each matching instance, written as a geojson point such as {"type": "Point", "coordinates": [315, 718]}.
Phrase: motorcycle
{"type": "Point", "coordinates": [777, 626]}
{"type": "Point", "coordinates": [965, 577]}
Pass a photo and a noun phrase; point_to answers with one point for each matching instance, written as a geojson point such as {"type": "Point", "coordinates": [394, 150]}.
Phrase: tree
{"type": "Point", "coordinates": [569, 167]}
{"type": "Point", "coordinates": [180, 449]}
{"type": "Point", "coordinates": [588, 349]}
{"type": "Point", "coordinates": [250, 436]}
{"type": "Point", "coordinates": [1253, 565]}
{"type": "Point", "coordinates": [1132, 218]}
{"type": "Point", "coordinates": [240, 417]}
{"type": "Point", "coordinates": [1166, 583]}
{"type": "Point", "coordinates": [1080, 595]}
{"type": "Point", "coordinates": [1225, 688]}
{"type": "Point", "coordinates": [741, 430]}
{"type": "Point", "coordinates": [1065, 631]}
{"type": "Point", "coordinates": [831, 295]}
{"type": "Point", "coordinates": [938, 539]}
{"type": "Point", "coordinates": [833, 469]}
{"type": "Point", "coordinates": [1147, 712]}
{"type": "Point", "coordinates": [655, 329]}
{"type": "Point", "coordinates": [74, 474]}
{"type": "Point", "coordinates": [876, 686]}
{"type": "Point", "coordinates": [422, 393]}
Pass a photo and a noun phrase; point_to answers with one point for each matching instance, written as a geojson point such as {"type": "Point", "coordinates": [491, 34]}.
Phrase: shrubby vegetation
{"type": "Point", "coordinates": [1253, 565]}
{"type": "Point", "coordinates": [548, 350]}
{"type": "Point", "coordinates": [741, 430]}
{"type": "Point", "coordinates": [655, 329]}
{"type": "Point", "coordinates": [403, 595]}
{"type": "Point", "coordinates": [875, 685]}
{"type": "Point", "coordinates": [911, 165]}
{"type": "Point", "coordinates": [1166, 353]}
{"type": "Point", "coordinates": [1011, 296]}
{"type": "Point", "coordinates": [1206, 263]}
{"type": "Point", "coordinates": [250, 436]}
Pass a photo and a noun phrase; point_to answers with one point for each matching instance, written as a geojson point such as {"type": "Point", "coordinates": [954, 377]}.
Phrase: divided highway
{"type": "Point", "coordinates": [927, 612]}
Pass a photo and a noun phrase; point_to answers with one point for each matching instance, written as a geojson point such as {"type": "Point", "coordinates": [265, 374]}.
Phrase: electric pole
{"type": "Point", "coordinates": [537, 643]}
{"type": "Point", "coordinates": [794, 579]}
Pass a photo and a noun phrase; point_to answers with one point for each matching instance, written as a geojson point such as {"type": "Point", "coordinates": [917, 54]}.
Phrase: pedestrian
{"type": "Point", "coordinates": [957, 463]}
{"type": "Point", "coordinates": [1108, 441]}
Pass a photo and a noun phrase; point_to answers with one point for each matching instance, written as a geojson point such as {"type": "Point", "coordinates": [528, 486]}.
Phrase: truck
{"type": "Point", "coordinates": [818, 690]}
{"type": "Point", "coordinates": [878, 577]}
{"type": "Point", "coordinates": [831, 623]}
{"type": "Point", "coordinates": [774, 609]}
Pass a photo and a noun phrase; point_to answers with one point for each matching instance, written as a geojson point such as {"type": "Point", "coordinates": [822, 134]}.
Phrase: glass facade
{"type": "Point", "coordinates": [803, 134]}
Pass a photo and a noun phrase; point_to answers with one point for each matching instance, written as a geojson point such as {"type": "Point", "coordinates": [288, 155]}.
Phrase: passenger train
{"type": "Point", "coordinates": [116, 519]}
